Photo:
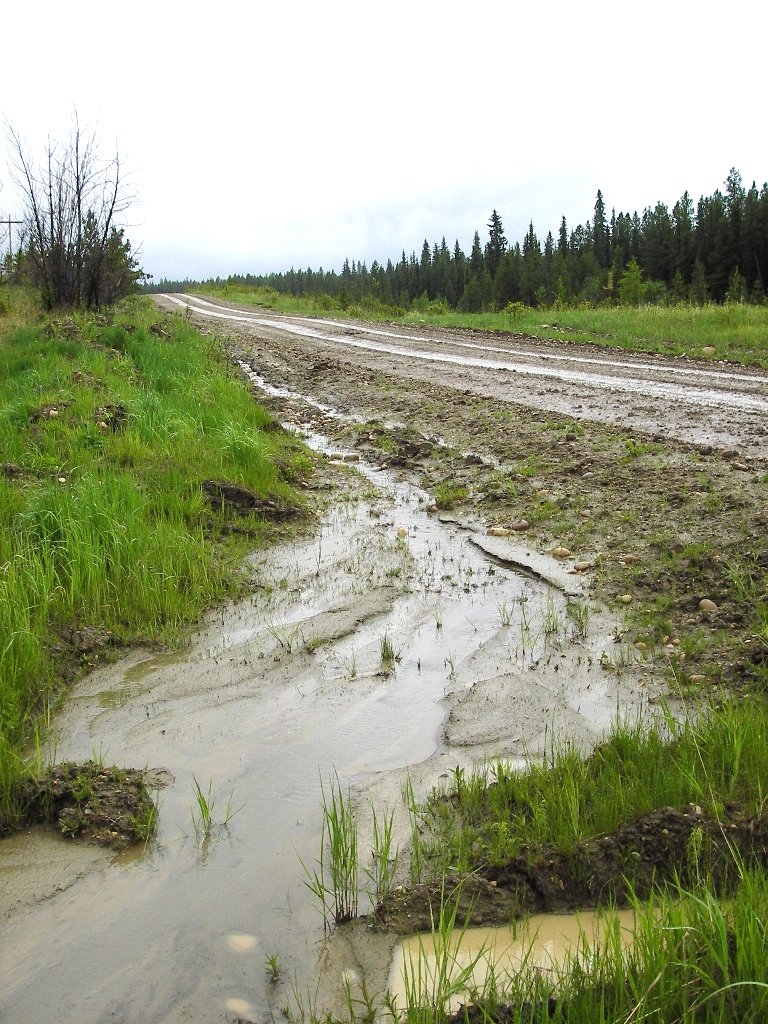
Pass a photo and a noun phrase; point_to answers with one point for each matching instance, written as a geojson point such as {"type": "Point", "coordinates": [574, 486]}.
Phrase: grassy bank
{"type": "Point", "coordinates": [110, 426]}
{"type": "Point", "coordinates": [735, 332]}
{"type": "Point", "coordinates": [695, 956]}
{"type": "Point", "coordinates": [572, 832]}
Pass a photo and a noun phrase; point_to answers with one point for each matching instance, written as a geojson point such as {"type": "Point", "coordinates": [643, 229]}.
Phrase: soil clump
{"type": "Point", "coordinates": [111, 807]}
{"type": "Point", "coordinates": [668, 845]}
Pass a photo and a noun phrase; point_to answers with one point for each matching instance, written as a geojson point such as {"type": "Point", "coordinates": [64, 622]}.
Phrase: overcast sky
{"type": "Point", "coordinates": [264, 136]}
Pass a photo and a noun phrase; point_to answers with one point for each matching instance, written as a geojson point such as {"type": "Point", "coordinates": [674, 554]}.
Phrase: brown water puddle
{"type": "Point", "coordinates": [469, 962]}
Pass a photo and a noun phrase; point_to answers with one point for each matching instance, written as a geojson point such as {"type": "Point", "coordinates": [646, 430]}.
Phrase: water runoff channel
{"type": "Point", "coordinates": [272, 698]}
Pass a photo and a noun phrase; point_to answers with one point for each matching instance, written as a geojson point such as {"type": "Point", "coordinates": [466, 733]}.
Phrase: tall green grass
{"type": "Point", "coordinates": [112, 424]}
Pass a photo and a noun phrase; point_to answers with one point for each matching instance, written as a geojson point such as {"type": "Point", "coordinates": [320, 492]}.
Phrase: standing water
{"type": "Point", "coordinates": [273, 696]}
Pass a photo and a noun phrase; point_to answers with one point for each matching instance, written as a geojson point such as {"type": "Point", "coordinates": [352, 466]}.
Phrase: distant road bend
{"type": "Point", "coordinates": [693, 400]}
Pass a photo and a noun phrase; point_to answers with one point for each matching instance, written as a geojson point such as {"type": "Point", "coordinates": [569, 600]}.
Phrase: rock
{"type": "Point", "coordinates": [431, 509]}
{"type": "Point", "coordinates": [697, 678]}
{"type": "Point", "coordinates": [708, 351]}
{"type": "Point", "coordinates": [498, 531]}
{"type": "Point", "coordinates": [402, 531]}
{"type": "Point", "coordinates": [521, 525]}
{"type": "Point", "coordinates": [705, 605]}
{"type": "Point", "coordinates": [10, 469]}
{"type": "Point", "coordinates": [629, 559]}
{"type": "Point", "coordinates": [562, 552]}
{"type": "Point", "coordinates": [582, 566]}
{"type": "Point", "coordinates": [741, 466]}
{"type": "Point", "coordinates": [640, 646]}
{"type": "Point", "coordinates": [353, 457]}
{"type": "Point", "coordinates": [624, 598]}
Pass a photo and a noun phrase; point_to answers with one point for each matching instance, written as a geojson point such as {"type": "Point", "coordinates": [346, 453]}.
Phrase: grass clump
{"type": "Point", "coordinates": [334, 880]}
{"type": "Point", "coordinates": [110, 427]}
{"type": "Point", "coordinates": [715, 760]}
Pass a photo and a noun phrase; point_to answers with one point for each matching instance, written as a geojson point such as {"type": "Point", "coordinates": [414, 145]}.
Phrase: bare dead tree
{"type": "Point", "coordinates": [73, 204]}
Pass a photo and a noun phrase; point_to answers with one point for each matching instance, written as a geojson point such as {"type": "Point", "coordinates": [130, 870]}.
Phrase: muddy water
{"type": "Point", "coordinates": [479, 956]}
{"type": "Point", "coordinates": [272, 696]}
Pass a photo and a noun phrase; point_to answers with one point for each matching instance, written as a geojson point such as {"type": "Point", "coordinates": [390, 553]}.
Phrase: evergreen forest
{"type": "Point", "coordinates": [712, 251]}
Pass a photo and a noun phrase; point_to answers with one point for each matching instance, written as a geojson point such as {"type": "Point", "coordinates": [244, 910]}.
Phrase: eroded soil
{"type": "Point", "coordinates": [652, 523]}
{"type": "Point", "coordinates": [108, 806]}
{"type": "Point", "coordinates": [606, 870]}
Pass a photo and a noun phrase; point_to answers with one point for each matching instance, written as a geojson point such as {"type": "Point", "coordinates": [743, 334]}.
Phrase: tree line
{"type": "Point", "coordinates": [715, 250]}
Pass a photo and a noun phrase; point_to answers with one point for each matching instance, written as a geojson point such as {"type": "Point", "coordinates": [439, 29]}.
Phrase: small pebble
{"type": "Point", "coordinates": [402, 531]}
{"type": "Point", "coordinates": [706, 605]}
{"type": "Point", "coordinates": [498, 531]}
{"type": "Point", "coordinates": [581, 566]}
{"type": "Point", "coordinates": [562, 552]}
{"type": "Point", "coordinates": [624, 598]}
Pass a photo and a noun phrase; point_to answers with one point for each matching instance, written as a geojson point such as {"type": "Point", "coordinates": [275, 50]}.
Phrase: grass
{"type": "Point", "coordinates": [692, 959]}
{"type": "Point", "coordinates": [109, 426]}
{"type": "Point", "coordinates": [334, 880]}
{"type": "Point", "coordinates": [715, 758]}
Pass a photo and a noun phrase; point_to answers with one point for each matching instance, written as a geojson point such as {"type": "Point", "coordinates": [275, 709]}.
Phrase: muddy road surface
{"type": "Point", "coordinates": [494, 644]}
{"type": "Point", "coordinates": [688, 399]}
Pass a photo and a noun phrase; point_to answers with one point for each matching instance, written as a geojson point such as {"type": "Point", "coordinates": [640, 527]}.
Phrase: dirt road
{"type": "Point", "coordinates": [693, 400]}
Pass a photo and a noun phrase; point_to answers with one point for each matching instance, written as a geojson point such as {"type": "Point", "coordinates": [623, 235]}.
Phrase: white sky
{"type": "Point", "coordinates": [264, 136]}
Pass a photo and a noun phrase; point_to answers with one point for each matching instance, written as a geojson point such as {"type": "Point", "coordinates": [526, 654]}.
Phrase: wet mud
{"type": "Point", "coordinates": [281, 691]}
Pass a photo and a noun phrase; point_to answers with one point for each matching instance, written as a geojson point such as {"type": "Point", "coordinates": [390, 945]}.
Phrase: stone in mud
{"type": "Point", "coordinates": [521, 526]}
{"type": "Point", "coordinates": [402, 531]}
{"type": "Point", "coordinates": [705, 605]}
{"type": "Point", "coordinates": [582, 566]}
{"type": "Point", "coordinates": [498, 531]}
{"type": "Point", "coordinates": [560, 552]}
{"type": "Point", "coordinates": [629, 559]}
{"type": "Point", "coordinates": [432, 509]}
{"type": "Point", "coordinates": [624, 598]}
{"type": "Point", "coordinates": [708, 351]}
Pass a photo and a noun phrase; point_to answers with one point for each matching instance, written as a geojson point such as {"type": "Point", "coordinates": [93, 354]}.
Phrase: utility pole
{"type": "Point", "coordinates": [10, 222]}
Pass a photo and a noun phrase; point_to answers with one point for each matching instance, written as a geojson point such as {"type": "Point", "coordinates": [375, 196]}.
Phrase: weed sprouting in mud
{"type": "Point", "coordinates": [206, 827]}
{"type": "Point", "coordinates": [334, 880]}
{"type": "Point", "coordinates": [274, 968]}
{"type": "Point", "coordinates": [390, 655]}
{"type": "Point", "coordinates": [384, 857]}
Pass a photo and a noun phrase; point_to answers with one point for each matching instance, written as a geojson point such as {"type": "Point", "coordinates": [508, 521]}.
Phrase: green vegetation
{"type": "Point", "coordinates": [334, 880]}
{"type": "Point", "coordinates": [718, 760]}
{"type": "Point", "coordinates": [694, 955]}
{"type": "Point", "coordinates": [110, 427]}
{"type": "Point", "coordinates": [693, 958]}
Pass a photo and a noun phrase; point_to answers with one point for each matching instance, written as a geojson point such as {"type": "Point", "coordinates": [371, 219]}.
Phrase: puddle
{"type": "Point", "coordinates": [483, 957]}
{"type": "Point", "coordinates": [273, 695]}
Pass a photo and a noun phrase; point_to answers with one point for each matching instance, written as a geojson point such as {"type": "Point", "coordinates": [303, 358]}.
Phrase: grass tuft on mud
{"type": "Point", "coordinates": [655, 802]}
{"type": "Point", "coordinates": [135, 467]}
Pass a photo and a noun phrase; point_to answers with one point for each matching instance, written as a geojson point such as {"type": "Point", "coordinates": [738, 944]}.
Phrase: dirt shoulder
{"type": "Point", "coordinates": [657, 525]}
